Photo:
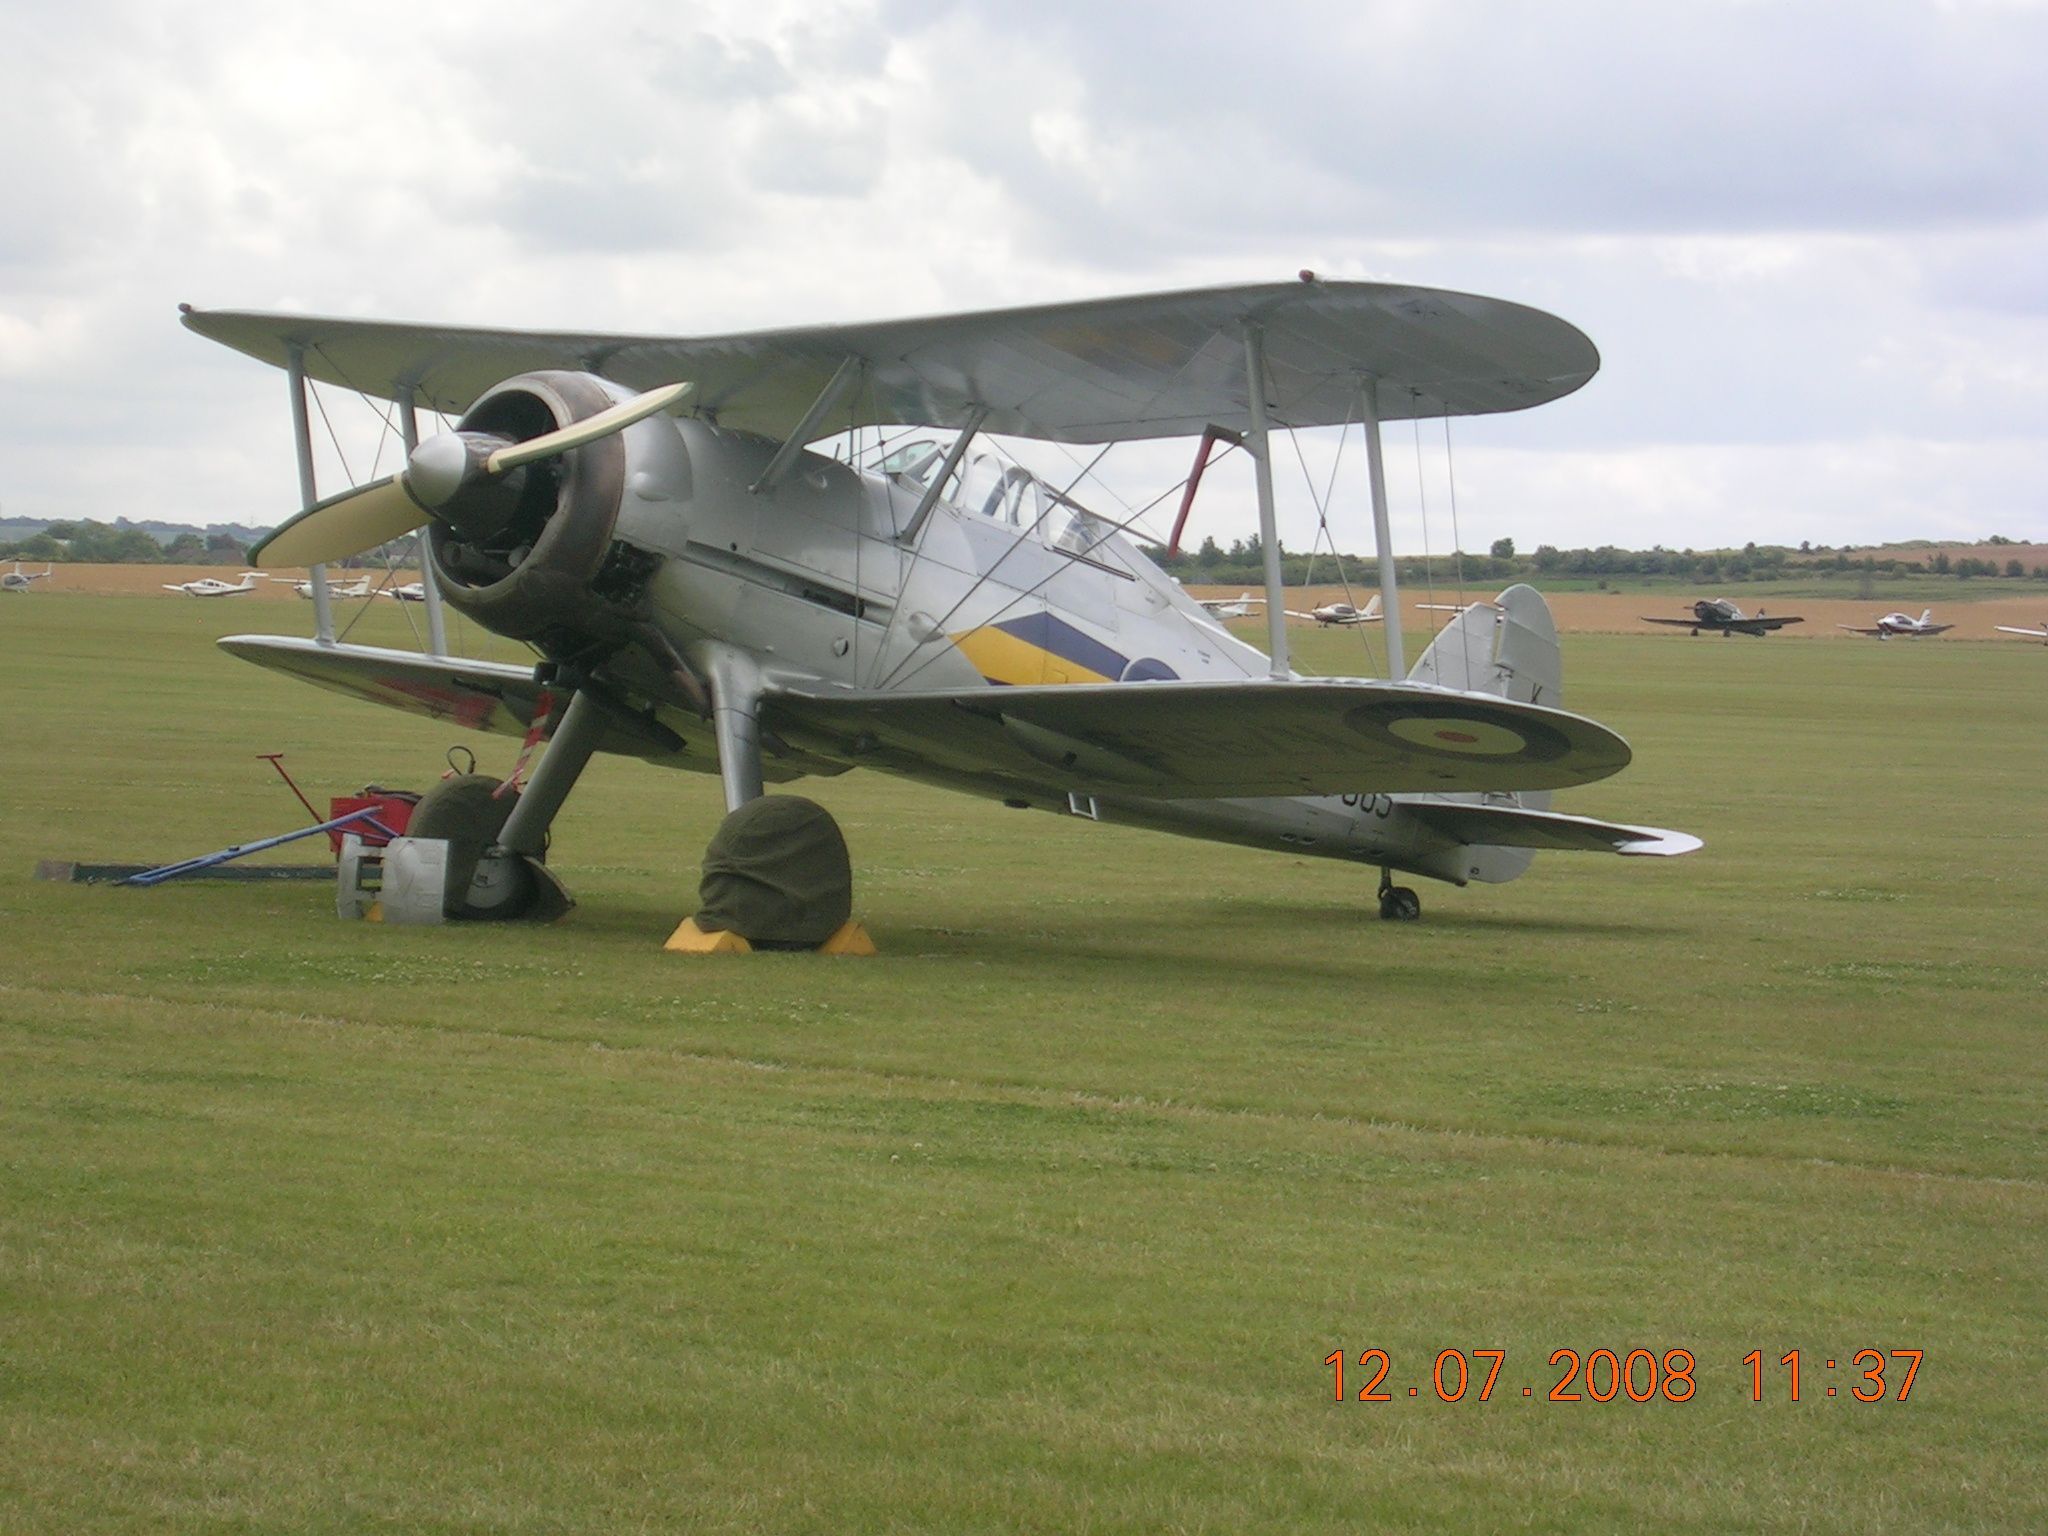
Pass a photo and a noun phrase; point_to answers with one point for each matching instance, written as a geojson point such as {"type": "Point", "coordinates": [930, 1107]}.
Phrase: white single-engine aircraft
{"type": "Point", "coordinates": [705, 593]}
{"type": "Point", "coordinates": [1238, 607]}
{"type": "Point", "coordinates": [213, 586]}
{"type": "Point", "coordinates": [307, 588]}
{"type": "Point", "coordinates": [18, 580]}
{"type": "Point", "coordinates": [1901, 624]}
{"type": "Point", "coordinates": [1341, 613]}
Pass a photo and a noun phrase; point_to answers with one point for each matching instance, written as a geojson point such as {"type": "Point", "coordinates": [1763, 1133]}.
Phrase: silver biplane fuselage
{"type": "Point", "coordinates": [817, 585]}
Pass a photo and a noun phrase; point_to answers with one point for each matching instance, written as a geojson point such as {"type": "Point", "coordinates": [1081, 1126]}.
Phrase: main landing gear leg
{"type": "Point", "coordinates": [735, 700]}
{"type": "Point", "coordinates": [1398, 904]}
{"type": "Point", "coordinates": [511, 880]}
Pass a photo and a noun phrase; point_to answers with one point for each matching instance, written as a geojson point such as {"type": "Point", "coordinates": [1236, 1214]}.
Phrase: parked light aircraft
{"type": "Point", "coordinates": [357, 588]}
{"type": "Point", "coordinates": [1716, 615]}
{"type": "Point", "coordinates": [213, 586]}
{"type": "Point", "coordinates": [1238, 607]}
{"type": "Point", "coordinates": [1342, 613]}
{"type": "Point", "coordinates": [705, 593]}
{"type": "Point", "coordinates": [2035, 634]}
{"type": "Point", "coordinates": [18, 580]}
{"type": "Point", "coordinates": [1901, 624]}
{"type": "Point", "coordinates": [407, 592]}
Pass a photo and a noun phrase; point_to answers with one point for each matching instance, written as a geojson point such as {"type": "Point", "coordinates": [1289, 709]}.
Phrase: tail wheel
{"type": "Point", "coordinates": [1398, 904]}
{"type": "Point", "coordinates": [467, 814]}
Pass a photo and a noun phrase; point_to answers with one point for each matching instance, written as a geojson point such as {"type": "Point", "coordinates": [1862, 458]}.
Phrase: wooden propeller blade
{"type": "Point", "coordinates": [341, 526]}
{"type": "Point", "coordinates": [588, 430]}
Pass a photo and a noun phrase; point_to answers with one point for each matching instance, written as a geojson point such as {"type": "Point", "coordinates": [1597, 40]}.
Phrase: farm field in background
{"type": "Point", "coordinates": [1048, 1217]}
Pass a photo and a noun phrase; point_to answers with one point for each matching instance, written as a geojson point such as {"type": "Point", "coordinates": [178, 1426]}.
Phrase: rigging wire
{"type": "Point", "coordinates": [1322, 505]}
{"type": "Point", "coordinates": [1451, 481]}
{"type": "Point", "coordinates": [1422, 499]}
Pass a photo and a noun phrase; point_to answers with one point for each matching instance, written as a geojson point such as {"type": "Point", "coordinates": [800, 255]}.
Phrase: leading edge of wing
{"type": "Point", "coordinates": [1101, 370]}
{"type": "Point", "coordinates": [493, 696]}
{"type": "Point", "coordinates": [1182, 740]}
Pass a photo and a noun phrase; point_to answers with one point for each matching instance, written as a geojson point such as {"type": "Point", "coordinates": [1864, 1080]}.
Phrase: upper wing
{"type": "Point", "coordinates": [1176, 740]}
{"type": "Point", "coordinates": [1154, 365]}
{"type": "Point", "coordinates": [1503, 826]}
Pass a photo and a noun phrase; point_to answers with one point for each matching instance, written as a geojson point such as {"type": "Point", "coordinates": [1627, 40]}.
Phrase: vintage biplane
{"type": "Point", "coordinates": [703, 591]}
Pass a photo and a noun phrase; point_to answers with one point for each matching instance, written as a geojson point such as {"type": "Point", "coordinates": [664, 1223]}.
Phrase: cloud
{"type": "Point", "coordinates": [1807, 241]}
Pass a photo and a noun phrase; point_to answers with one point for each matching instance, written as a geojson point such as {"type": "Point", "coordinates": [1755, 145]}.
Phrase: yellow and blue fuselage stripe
{"type": "Point", "coordinates": [1038, 649]}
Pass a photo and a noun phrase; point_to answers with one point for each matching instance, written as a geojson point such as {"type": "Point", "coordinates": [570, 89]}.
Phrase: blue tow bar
{"type": "Point", "coordinates": [366, 817]}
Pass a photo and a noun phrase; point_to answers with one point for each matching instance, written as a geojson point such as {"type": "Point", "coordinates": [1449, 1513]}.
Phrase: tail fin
{"type": "Point", "coordinates": [1371, 610]}
{"type": "Point", "coordinates": [1926, 615]}
{"type": "Point", "coordinates": [1508, 648]}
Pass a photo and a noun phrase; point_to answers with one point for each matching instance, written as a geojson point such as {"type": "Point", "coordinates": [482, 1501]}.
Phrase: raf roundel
{"type": "Point", "coordinates": [1478, 738]}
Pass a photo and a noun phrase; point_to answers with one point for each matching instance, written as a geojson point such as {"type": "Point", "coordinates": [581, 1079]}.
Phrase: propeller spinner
{"type": "Point", "coordinates": [435, 473]}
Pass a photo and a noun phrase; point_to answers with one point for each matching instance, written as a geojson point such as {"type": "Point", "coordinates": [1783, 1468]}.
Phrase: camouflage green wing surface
{"type": "Point", "coordinates": [493, 696]}
{"type": "Point", "coordinates": [1186, 740]}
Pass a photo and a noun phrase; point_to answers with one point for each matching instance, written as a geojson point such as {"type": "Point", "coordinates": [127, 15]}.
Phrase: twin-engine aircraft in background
{"type": "Point", "coordinates": [1341, 613]}
{"type": "Point", "coordinates": [1900, 624]}
{"type": "Point", "coordinates": [213, 586]}
{"type": "Point", "coordinates": [1718, 616]}
{"type": "Point", "coordinates": [18, 580]}
{"type": "Point", "coordinates": [703, 592]}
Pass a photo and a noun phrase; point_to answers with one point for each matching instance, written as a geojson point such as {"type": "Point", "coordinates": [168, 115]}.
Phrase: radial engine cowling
{"type": "Point", "coordinates": [531, 554]}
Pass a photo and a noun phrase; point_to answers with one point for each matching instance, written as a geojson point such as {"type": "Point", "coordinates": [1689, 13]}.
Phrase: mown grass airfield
{"type": "Point", "coordinates": [1050, 1216]}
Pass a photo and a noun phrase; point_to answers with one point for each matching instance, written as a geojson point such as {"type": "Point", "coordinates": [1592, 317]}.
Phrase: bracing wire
{"type": "Point", "coordinates": [1422, 498]}
{"type": "Point", "coordinates": [1324, 533]}
{"type": "Point", "coordinates": [1451, 482]}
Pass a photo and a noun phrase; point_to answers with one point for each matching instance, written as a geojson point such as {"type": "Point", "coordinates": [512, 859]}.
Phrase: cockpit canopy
{"type": "Point", "coordinates": [987, 486]}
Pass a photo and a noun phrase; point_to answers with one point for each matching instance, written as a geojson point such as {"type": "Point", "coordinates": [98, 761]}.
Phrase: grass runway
{"type": "Point", "coordinates": [1047, 1218]}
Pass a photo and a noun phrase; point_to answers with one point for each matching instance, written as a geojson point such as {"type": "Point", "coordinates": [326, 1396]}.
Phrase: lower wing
{"type": "Point", "coordinates": [490, 696]}
{"type": "Point", "coordinates": [1186, 740]}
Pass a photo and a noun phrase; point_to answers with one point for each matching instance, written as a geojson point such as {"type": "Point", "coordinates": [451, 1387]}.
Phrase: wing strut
{"type": "Point", "coordinates": [930, 499]}
{"type": "Point", "coordinates": [1259, 442]}
{"type": "Point", "coordinates": [786, 456]}
{"type": "Point", "coordinates": [302, 439]}
{"type": "Point", "coordinates": [437, 622]}
{"type": "Point", "coordinates": [1382, 538]}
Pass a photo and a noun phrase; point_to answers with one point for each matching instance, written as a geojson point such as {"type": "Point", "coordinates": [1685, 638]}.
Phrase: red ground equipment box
{"type": "Point", "coordinates": [393, 808]}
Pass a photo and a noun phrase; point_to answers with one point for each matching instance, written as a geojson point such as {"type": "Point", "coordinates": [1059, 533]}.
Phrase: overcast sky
{"type": "Point", "coordinates": [1810, 240]}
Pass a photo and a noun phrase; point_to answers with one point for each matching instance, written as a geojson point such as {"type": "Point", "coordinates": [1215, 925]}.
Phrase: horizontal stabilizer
{"type": "Point", "coordinates": [1507, 826]}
